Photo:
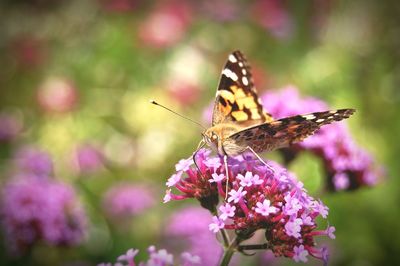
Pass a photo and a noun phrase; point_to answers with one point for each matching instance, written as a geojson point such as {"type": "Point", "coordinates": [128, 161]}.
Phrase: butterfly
{"type": "Point", "coordinates": [239, 122]}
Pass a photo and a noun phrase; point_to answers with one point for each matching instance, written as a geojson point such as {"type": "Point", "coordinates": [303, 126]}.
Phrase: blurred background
{"type": "Point", "coordinates": [84, 157]}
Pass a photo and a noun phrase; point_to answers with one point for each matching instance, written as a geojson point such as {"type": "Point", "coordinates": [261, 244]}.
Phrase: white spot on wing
{"type": "Point", "coordinates": [228, 73]}
{"type": "Point", "coordinates": [309, 117]}
{"type": "Point", "coordinates": [320, 120]}
{"type": "Point", "coordinates": [244, 72]}
{"type": "Point", "coordinates": [241, 64]}
{"type": "Point", "coordinates": [232, 58]}
{"type": "Point", "coordinates": [245, 81]}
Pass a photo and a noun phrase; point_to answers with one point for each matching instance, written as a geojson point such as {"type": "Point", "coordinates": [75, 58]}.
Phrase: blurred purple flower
{"type": "Point", "coordinates": [347, 165]}
{"type": "Point", "coordinates": [87, 159]}
{"type": "Point", "coordinates": [159, 257]}
{"type": "Point", "coordinates": [32, 160]}
{"type": "Point", "coordinates": [260, 197]}
{"type": "Point", "coordinates": [189, 228]}
{"type": "Point", "coordinates": [127, 200]}
{"type": "Point", "coordinates": [36, 209]}
{"type": "Point", "coordinates": [10, 126]}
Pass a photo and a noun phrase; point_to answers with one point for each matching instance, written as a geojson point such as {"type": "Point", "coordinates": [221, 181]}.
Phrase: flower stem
{"type": "Point", "coordinates": [228, 253]}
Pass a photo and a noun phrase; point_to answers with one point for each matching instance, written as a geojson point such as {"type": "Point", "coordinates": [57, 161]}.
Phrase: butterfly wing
{"type": "Point", "coordinates": [237, 100]}
{"type": "Point", "coordinates": [281, 133]}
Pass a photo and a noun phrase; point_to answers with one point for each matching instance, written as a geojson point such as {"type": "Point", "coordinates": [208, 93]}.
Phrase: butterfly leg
{"type": "Point", "coordinates": [201, 145]}
{"type": "Point", "coordinates": [259, 158]}
{"type": "Point", "coordinates": [227, 175]}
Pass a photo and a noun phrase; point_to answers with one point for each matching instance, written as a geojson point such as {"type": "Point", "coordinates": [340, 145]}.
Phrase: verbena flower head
{"type": "Point", "coordinates": [259, 197]}
{"type": "Point", "coordinates": [188, 227]}
{"type": "Point", "coordinates": [347, 165]}
{"type": "Point", "coordinates": [159, 257]}
{"type": "Point", "coordinates": [127, 200]}
{"type": "Point", "coordinates": [40, 209]}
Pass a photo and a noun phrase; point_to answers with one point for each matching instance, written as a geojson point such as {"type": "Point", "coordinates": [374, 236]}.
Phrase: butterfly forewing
{"type": "Point", "coordinates": [237, 100]}
{"type": "Point", "coordinates": [281, 133]}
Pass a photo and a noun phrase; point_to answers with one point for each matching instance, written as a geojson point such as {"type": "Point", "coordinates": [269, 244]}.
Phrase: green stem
{"type": "Point", "coordinates": [229, 253]}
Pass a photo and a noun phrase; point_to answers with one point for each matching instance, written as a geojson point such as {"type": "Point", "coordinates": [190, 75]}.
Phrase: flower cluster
{"type": "Point", "coordinates": [259, 196]}
{"type": "Point", "coordinates": [156, 258]}
{"type": "Point", "coordinates": [347, 165]}
{"type": "Point", "coordinates": [37, 209]}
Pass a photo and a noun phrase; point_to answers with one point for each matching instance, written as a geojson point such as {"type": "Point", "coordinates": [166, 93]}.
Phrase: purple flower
{"type": "Point", "coordinates": [189, 228]}
{"type": "Point", "coordinates": [34, 161]}
{"type": "Point", "coordinates": [347, 165]}
{"type": "Point", "coordinates": [264, 208]}
{"type": "Point", "coordinates": [189, 259]}
{"type": "Point", "coordinates": [159, 257]}
{"type": "Point", "coordinates": [227, 211]}
{"type": "Point", "coordinates": [174, 179]}
{"type": "Point", "coordinates": [87, 159]}
{"type": "Point", "coordinates": [330, 232]}
{"type": "Point", "coordinates": [236, 195]}
{"type": "Point", "coordinates": [184, 164]}
{"type": "Point", "coordinates": [300, 254]}
{"type": "Point", "coordinates": [280, 206]}
{"type": "Point", "coordinates": [341, 181]}
{"type": "Point", "coordinates": [248, 180]}
{"type": "Point", "coordinates": [216, 225]}
{"type": "Point", "coordinates": [129, 256]}
{"type": "Point", "coordinates": [216, 178]}
{"type": "Point", "coordinates": [126, 200]}
{"type": "Point", "coordinates": [37, 209]}
{"type": "Point", "coordinates": [293, 228]}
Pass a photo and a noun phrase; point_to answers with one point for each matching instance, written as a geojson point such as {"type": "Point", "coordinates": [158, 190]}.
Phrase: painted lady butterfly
{"type": "Point", "coordinates": [239, 122]}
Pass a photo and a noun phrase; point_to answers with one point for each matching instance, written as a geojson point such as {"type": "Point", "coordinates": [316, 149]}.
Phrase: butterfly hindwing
{"type": "Point", "coordinates": [236, 99]}
{"type": "Point", "coordinates": [282, 132]}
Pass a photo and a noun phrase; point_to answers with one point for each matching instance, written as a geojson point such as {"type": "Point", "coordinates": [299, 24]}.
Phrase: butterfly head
{"type": "Point", "coordinates": [210, 137]}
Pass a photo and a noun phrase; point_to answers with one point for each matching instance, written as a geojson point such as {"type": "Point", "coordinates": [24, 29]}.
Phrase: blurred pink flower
{"type": "Point", "coordinates": [183, 92]}
{"type": "Point", "coordinates": [57, 95]}
{"type": "Point", "coordinates": [87, 158]}
{"type": "Point", "coordinates": [188, 227]}
{"type": "Point", "coordinates": [127, 200]}
{"type": "Point", "coordinates": [273, 16]}
{"type": "Point", "coordinates": [166, 25]}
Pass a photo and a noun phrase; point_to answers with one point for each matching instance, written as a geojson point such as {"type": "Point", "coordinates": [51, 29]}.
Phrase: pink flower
{"type": "Point", "coordinates": [227, 211]}
{"type": "Point", "coordinates": [57, 95]}
{"type": "Point", "coordinates": [300, 254]}
{"type": "Point", "coordinates": [264, 208]}
{"type": "Point", "coordinates": [166, 25]}
{"type": "Point", "coordinates": [216, 225]}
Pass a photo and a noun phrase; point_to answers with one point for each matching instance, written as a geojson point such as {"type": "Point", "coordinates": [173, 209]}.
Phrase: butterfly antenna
{"type": "Point", "coordinates": [187, 118]}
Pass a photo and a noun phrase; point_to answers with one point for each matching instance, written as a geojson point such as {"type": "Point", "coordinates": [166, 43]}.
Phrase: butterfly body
{"type": "Point", "coordinates": [239, 121]}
